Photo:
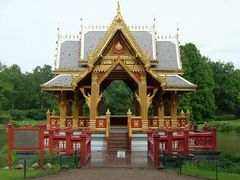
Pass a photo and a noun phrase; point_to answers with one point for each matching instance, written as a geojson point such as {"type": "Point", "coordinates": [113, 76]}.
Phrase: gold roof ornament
{"type": "Point", "coordinates": [118, 8]}
{"type": "Point", "coordinates": [118, 24]}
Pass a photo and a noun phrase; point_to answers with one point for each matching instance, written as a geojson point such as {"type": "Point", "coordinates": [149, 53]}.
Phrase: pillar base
{"type": "Point", "coordinates": [145, 125]}
{"type": "Point", "coordinates": [92, 124]}
{"type": "Point", "coordinates": [62, 123]}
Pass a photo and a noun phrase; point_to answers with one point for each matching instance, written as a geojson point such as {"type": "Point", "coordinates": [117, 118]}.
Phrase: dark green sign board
{"type": "Point", "coordinates": [26, 138]}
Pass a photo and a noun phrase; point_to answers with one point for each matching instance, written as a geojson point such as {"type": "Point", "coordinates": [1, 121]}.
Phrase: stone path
{"type": "Point", "coordinates": [117, 173]}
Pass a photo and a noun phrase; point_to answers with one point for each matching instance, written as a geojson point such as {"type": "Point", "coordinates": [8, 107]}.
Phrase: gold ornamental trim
{"type": "Point", "coordinates": [118, 24]}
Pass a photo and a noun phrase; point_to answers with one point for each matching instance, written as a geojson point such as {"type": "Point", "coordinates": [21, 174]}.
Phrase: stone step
{"type": "Point", "coordinates": [119, 145]}
{"type": "Point", "coordinates": [119, 139]}
{"type": "Point", "coordinates": [115, 149]}
{"type": "Point", "coordinates": [118, 134]}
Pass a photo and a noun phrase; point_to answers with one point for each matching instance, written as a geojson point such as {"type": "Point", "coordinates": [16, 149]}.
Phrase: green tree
{"type": "Point", "coordinates": [225, 89]}
{"type": "Point", "coordinates": [197, 71]}
{"type": "Point", "coordinates": [118, 98]}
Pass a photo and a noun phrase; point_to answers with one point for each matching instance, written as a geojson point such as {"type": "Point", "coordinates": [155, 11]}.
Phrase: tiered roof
{"type": "Point", "coordinates": [74, 53]}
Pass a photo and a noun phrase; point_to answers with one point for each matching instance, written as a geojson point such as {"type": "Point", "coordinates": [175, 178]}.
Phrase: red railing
{"type": "Point", "coordinates": [54, 122]}
{"type": "Point", "coordinates": [153, 122]}
{"type": "Point", "coordinates": [65, 141]}
{"type": "Point", "coordinates": [53, 140]}
{"type": "Point", "coordinates": [136, 122]}
{"type": "Point", "coordinates": [82, 122]}
{"type": "Point", "coordinates": [184, 142]}
{"type": "Point", "coordinates": [101, 122]}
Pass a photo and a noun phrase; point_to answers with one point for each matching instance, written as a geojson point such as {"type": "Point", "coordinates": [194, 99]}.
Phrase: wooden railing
{"type": "Point", "coordinates": [101, 123]}
{"type": "Point", "coordinates": [83, 122]}
{"type": "Point", "coordinates": [54, 122]}
{"type": "Point", "coordinates": [66, 142]}
{"type": "Point", "coordinates": [153, 122]}
{"type": "Point", "coordinates": [184, 142]}
{"type": "Point", "coordinates": [136, 122]}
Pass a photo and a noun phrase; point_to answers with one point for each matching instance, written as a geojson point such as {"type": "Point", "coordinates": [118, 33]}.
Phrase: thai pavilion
{"type": "Point", "coordinates": [148, 64]}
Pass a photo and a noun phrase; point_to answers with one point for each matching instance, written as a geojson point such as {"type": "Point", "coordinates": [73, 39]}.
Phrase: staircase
{"type": "Point", "coordinates": [119, 140]}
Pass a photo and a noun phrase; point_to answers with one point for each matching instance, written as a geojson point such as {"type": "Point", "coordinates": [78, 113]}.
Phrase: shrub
{"type": "Point", "coordinates": [17, 114]}
{"type": "Point", "coordinates": [226, 117]}
{"type": "Point", "coordinates": [5, 117]}
{"type": "Point", "coordinates": [225, 127]}
{"type": "Point", "coordinates": [237, 129]}
{"type": "Point", "coordinates": [36, 114]}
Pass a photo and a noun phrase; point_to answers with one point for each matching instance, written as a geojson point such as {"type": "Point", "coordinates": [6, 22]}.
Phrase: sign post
{"type": "Point", "coordinates": [25, 139]}
{"type": "Point", "coordinates": [25, 166]}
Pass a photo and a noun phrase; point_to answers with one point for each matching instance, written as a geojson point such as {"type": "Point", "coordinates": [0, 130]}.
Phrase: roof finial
{"type": "Point", "coordinates": [81, 25]}
{"type": "Point", "coordinates": [118, 8]}
{"type": "Point", "coordinates": [58, 32]}
{"type": "Point", "coordinates": [57, 48]}
{"type": "Point", "coordinates": [177, 33]}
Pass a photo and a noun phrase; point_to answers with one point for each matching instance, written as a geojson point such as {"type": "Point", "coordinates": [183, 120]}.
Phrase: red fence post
{"type": "Point", "coordinates": [10, 144]}
{"type": "Point", "coordinates": [169, 134]}
{"type": "Point", "coordinates": [156, 141]}
{"type": "Point", "coordinates": [195, 127]}
{"type": "Point", "coordinates": [186, 144]}
{"type": "Point", "coordinates": [69, 146]}
{"type": "Point", "coordinates": [83, 152]}
{"type": "Point", "coordinates": [149, 134]}
{"type": "Point", "coordinates": [89, 134]}
{"type": "Point", "coordinates": [50, 143]}
{"type": "Point", "coordinates": [214, 138]}
{"type": "Point", "coordinates": [41, 145]}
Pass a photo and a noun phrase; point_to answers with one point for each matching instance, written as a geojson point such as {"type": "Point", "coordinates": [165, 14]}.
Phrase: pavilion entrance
{"type": "Point", "coordinates": [118, 96]}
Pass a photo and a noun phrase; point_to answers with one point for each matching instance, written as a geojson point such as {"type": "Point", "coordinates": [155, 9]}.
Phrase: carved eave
{"type": "Point", "coordinates": [118, 24]}
{"type": "Point", "coordinates": [185, 89]}
{"type": "Point", "coordinates": [155, 75]}
{"type": "Point", "coordinates": [77, 79]}
{"type": "Point", "coordinates": [169, 71]}
{"type": "Point", "coordinates": [68, 71]}
{"type": "Point", "coordinates": [56, 88]}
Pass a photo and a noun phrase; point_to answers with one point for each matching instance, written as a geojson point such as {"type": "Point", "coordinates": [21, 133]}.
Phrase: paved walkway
{"type": "Point", "coordinates": [117, 173]}
{"type": "Point", "coordinates": [102, 166]}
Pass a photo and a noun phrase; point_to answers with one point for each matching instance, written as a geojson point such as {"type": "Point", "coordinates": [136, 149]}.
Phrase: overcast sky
{"type": "Point", "coordinates": [28, 28]}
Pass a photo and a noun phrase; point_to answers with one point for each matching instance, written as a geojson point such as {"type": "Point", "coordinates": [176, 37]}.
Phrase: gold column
{"type": "Point", "coordinates": [129, 115]}
{"type": "Point", "coordinates": [48, 114]}
{"type": "Point", "coordinates": [108, 113]}
{"type": "Point", "coordinates": [143, 100]}
{"type": "Point", "coordinates": [93, 101]}
{"type": "Point", "coordinates": [63, 109]}
{"type": "Point", "coordinates": [188, 118]}
{"type": "Point", "coordinates": [174, 109]}
{"type": "Point", "coordinates": [161, 112]}
{"type": "Point", "coordinates": [75, 109]}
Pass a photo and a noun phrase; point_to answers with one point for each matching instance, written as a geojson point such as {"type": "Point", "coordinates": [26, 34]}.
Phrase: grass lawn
{"type": "Point", "coordinates": [16, 174]}
{"type": "Point", "coordinates": [228, 142]}
{"type": "Point", "coordinates": [193, 171]}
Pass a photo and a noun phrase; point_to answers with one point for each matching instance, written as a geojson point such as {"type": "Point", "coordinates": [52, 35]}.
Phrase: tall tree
{"type": "Point", "coordinates": [227, 87]}
{"type": "Point", "coordinates": [197, 70]}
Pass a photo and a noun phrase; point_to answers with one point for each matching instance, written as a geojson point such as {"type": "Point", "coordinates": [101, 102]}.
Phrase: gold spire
{"type": "Point", "coordinates": [118, 8]}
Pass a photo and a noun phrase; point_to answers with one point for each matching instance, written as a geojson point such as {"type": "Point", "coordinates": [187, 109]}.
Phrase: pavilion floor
{"type": "Point", "coordinates": [135, 159]}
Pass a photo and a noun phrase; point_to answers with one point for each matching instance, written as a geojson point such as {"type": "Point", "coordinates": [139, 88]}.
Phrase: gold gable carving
{"type": "Point", "coordinates": [118, 24]}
